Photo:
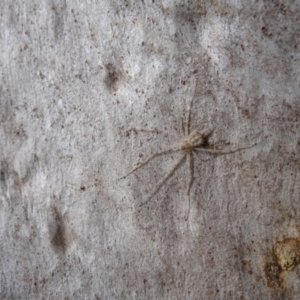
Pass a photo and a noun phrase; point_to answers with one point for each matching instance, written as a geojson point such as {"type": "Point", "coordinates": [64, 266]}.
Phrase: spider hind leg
{"type": "Point", "coordinates": [148, 159]}
{"type": "Point", "coordinates": [163, 180]}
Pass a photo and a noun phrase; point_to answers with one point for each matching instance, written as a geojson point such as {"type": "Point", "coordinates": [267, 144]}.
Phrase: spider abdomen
{"type": "Point", "coordinates": [186, 146]}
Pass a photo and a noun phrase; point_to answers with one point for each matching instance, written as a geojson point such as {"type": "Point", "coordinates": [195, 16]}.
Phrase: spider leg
{"type": "Point", "coordinates": [212, 151]}
{"type": "Point", "coordinates": [203, 159]}
{"type": "Point", "coordinates": [190, 165]}
{"type": "Point", "coordinates": [188, 118]}
{"type": "Point", "coordinates": [188, 115]}
{"type": "Point", "coordinates": [182, 129]}
{"type": "Point", "coordinates": [144, 130]}
{"type": "Point", "coordinates": [148, 159]}
{"type": "Point", "coordinates": [162, 181]}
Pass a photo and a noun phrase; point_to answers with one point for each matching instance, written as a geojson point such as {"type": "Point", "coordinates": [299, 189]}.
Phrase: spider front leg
{"type": "Point", "coordinates": [182, 129]}
{"type": "Point", "coordinates": [143, 130]}
{"type": "Point", "coordinates": [188, 118]}
{"type": "Point", "coordinates": [188, 114]}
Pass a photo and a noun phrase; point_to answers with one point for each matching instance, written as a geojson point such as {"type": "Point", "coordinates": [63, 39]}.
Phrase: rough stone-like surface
{"type": "Point", "coordinates": [78, 81]}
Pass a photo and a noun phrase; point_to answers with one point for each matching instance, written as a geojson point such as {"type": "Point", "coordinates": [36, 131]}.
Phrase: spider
{"type": "Point", "coordinates": [191, 142]}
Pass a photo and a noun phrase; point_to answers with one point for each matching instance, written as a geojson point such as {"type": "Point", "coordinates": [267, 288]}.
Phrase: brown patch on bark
{"type": "Point", "coordinates": [284, 256]}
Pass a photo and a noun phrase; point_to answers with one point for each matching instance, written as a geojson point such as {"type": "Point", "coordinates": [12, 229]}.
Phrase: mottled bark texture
{"type": "Point", "coordinates": [88, 89]}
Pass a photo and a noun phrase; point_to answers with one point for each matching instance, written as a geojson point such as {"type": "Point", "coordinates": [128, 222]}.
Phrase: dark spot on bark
{"type": "Point", "coordinates": [113, 77]}
{"type": "Point", "coordinates": [58, 232]}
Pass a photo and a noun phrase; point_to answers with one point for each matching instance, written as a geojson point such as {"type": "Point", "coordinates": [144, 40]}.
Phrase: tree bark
{"type": "Point", "coordinates": [89, 89]}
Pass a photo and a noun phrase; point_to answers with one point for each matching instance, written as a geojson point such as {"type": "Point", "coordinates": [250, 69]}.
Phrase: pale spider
{"type": "Point", "coordinates": [191, 142]}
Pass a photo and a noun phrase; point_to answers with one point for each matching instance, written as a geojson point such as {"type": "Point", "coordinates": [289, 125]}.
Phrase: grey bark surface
{"type": "Point", "coordinates": [78, 81]}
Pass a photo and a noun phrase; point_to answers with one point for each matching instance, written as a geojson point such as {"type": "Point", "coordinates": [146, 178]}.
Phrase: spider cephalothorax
{"type": "Point", "coordinates": [194, 139]}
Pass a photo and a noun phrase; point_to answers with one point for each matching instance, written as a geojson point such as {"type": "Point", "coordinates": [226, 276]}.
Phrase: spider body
{"type": "Point", "coordinates": [192, 142]}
